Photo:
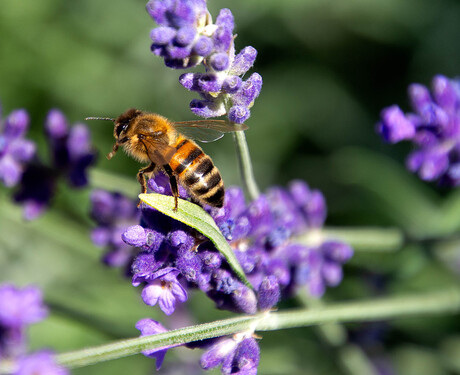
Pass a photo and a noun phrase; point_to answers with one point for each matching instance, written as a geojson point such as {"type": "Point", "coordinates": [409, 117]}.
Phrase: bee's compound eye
{"type": "Point", "coordinates": [121, 127]}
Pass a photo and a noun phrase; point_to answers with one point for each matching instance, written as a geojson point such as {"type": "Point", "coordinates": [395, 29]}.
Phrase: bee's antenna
{"type": "Point", "coordinates": [100, 118]}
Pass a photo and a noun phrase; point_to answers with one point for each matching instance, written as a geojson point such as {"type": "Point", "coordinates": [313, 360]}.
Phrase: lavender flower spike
{"type": "Point", "coordinates": [187, 37]}
{"type": "Point", "coordinates": [433, 127]}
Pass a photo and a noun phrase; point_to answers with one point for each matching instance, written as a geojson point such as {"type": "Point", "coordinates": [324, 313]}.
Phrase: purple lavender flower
{"type": "Point", "coordinates": [15, 151]}
{"type": "Point", "coordinates": [433, 127]}
{"type": "Point", "coordinates": [187, 37]}
{"type": "Point", "coordinates": [152, 327]}
{"type": "Point", "coordinates": [178, 258]}
{"type": "Point", "coordinates": [39, 363]}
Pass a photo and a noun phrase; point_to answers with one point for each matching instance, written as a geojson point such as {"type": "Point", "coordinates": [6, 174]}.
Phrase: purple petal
{"type": "Point", "coordinates": [135, 236]}
{"type": "Point", "coordinates": [394, 126]}
{"type": "Point", "coordinates": [203, 46]}
{"type": "Point", "coordinates": [232, 84]}
{"type": "Point", "coordinates": [56, 124]}
{"type": "Point", "coordinates": [444, 92]}
{"type": "Point", "coordinates": [162, 35]}
{"type": "Point", "coordinates": [219, 61]}
{"type": "Point", "coordinates": [268, 293]}
{"type": "Point", "coordinates": [243, 61]}
{"type": "Point", "coordinates": [185, 35]}
{"type": "Point", "coordinates": [22, 149]}
{"type": "Point", "coordinates": [152, 293]}
{"type": "Point", "coordinates": [238, 114]}
{"type": "Point", "coordinates": [16, 124]}
{"type": "Point", "coordinates": [10, 171]}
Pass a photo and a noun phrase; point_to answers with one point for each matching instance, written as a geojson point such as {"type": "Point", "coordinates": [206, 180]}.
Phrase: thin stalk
{"type": "Point", "coordinates": [361, 239]}
{"type": "Point", "coordinates": [439, 302]}
{"type": "Point", "coordinates": [245, 164]}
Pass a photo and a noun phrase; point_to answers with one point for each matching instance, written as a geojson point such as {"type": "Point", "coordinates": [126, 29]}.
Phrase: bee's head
{"type": "Point", "coordinates": [122, 123]}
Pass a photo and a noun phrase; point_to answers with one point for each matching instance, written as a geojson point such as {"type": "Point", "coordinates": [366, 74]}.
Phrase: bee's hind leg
{"type": "Point", "coordinates": [173, 184]}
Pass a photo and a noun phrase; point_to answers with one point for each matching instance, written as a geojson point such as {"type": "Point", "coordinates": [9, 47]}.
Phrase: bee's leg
{"type": "Point", "coordinates": [115, 147]}
{"type": "Point", "coordinates": [141, 177]}
{"type": "Point", "coordinates": [114, 151]}
{"type": "Point", "coordinates": [173, 184]}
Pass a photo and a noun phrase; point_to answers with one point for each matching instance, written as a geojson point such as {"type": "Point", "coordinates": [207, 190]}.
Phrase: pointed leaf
{"type": "Point", "coordinates": [194, 216]}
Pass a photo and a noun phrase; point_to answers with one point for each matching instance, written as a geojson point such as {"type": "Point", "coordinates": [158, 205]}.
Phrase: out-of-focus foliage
{"type": "Point", "coordinates": [328, 69]}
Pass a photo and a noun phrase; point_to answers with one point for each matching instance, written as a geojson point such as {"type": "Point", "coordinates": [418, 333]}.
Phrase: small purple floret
{"type": "Point", "coordinates": [238, 114]}
{"type": "Point", "coordinates": [165, 290]}
{"type": "Point", "coordinates": [268, 293]}
{"type": "Point", "coordinates": [394, 126]}
{"type": "Point", "coordinates": [152, 327]}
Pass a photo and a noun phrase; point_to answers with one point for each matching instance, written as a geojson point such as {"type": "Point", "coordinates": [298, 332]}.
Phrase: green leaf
{"type": "Point", "coordinates": [194, 216]}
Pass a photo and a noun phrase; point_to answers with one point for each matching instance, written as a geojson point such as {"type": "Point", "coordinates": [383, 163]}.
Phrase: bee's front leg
{"type": "Point", "coordinates": [141, 178]}
{"type": "Point", "coordinates": [173, 184]}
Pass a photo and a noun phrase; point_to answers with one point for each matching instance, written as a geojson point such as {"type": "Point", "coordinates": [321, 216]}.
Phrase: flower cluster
{"type": "Point", "coordinates": [170, 258]}
{"type": "Point", "coordinates": [18, 309]}
{"type": "Point", "coordinates": [186, 37]}
{"type": "Point", "coordinates": [174, 257]}
{"type": "Point", "coordinates": [433, 127]}
{"type": "Point", "coordinates": [36, 181]}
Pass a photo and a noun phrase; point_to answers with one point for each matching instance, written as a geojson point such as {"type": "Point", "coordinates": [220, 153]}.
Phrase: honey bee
{"type": "Point", "coordinates": [167, 146]}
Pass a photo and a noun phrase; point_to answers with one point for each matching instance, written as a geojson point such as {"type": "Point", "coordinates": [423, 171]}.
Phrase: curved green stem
{"type": "Point", "coordinates": [439, 302]}
{"type": "Point", "coordinates": [244, 161]}
{"type": "Point", "coordinates": [361, 239]}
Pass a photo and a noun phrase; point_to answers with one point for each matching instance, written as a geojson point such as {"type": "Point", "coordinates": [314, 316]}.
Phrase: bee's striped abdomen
{"type": "Point", "coordinates": [197, 173]}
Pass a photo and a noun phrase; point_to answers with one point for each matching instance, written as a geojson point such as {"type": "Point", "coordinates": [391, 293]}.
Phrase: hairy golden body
{"type": "Point", "coordinates": [152, 138]}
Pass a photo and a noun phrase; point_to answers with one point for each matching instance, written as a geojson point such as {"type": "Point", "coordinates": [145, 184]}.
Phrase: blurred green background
{"type": "Point", "coordinates": [329, 67]}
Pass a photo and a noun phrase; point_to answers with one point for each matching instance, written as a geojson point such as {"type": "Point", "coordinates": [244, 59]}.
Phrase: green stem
{"type": "Point", "coordinates": [244, 161]}
{"type": "Point", "coordinates": [361, 239]}
{"type": "Point", "coordinates": [439, 302]}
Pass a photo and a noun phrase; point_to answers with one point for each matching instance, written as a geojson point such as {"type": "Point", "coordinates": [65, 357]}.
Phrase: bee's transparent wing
{"type": "Point", "coordinates": [207, 130]}
{"type": "Point", "coordinates": [158, 151]}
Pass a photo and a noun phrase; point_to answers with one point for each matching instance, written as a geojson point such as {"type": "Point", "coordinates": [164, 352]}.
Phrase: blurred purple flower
{"type": "Point", "coordinates": [433, 127]}
{"type": "Point", "coordinates": [39, 363]}
{"type": "Point", "coordinates": [15, 150]}
{"type": "Point", "coordinates": [37, 181]}
{"type": "Point", "coordinates": [18, 309]}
